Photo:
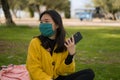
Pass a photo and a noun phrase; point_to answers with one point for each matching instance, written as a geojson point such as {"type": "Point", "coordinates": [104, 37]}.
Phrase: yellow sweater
{"type": "Point", "coordinates": [40, 63]}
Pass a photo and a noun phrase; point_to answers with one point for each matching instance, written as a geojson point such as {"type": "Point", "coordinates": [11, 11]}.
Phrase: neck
{"type": "Point", "coordinates": [52, 37]}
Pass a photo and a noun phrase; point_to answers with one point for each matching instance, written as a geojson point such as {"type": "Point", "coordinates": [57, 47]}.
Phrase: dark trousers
{"type": "Point", "coordinates": [86, 74]}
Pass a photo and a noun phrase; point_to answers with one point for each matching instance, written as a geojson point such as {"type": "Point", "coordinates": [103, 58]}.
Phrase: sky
{"type": "Point", "coordinates": [78, 4]}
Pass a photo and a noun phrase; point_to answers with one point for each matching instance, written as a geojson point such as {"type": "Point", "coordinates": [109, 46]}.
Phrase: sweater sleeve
{"type": "Point", "coordinates": [69, 59]}
{"type": "Point", "coordinates": [33, 63]}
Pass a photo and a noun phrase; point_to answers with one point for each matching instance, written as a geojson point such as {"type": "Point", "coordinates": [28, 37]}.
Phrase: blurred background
{"type": "Point", "coordinates": [97, 20]}
{"type": "Point", "coordinates": [84, 10]}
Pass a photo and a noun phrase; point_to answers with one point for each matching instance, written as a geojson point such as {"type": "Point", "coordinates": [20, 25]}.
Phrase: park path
{"type": "Point", "coordinates": [66, 22]}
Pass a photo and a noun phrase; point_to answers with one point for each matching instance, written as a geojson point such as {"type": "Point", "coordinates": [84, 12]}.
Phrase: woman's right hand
{"type": "Point", "coordinates": [70, 44]}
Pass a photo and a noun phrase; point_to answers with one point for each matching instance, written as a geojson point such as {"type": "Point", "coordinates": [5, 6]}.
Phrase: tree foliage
{"type": "Point", "coordinates": [59, 5]}
{"type": "Point", "coordinates": [111, 6]}
{"type": "Point", "coordinates": [17, 5]}
{"type": "Point", "coordinates": [34, 5]}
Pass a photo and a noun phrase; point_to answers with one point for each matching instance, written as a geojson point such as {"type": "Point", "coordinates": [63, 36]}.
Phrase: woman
{"type": "Point", "coordinates": [50, 55]}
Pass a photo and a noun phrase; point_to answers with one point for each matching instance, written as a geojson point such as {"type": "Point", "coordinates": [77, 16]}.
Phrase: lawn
{"type": "Point", "coordinates": [99, 49]}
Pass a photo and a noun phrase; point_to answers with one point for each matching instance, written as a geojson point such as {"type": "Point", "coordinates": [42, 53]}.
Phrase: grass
{"type": "Point", "coordinates": [99, 49]}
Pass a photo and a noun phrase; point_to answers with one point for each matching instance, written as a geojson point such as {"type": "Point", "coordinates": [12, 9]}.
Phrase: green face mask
{"type": "Point", "coordinates": [46, 29]}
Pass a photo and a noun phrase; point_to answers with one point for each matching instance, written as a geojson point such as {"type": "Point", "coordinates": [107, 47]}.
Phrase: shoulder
{"type": "Point", "coordinates": [35, 40]}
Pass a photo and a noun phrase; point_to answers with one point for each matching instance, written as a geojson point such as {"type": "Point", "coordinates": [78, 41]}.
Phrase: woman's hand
{"type": "Point", "coordinates": [70, 44]}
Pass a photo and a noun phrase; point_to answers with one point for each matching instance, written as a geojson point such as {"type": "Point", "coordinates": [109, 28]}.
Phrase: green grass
{"type": "Point", "coordinates": [99, 49]}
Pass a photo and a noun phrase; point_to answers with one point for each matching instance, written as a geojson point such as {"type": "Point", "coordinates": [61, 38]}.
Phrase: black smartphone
{"type": "Point", "coordinates": [77, 37]}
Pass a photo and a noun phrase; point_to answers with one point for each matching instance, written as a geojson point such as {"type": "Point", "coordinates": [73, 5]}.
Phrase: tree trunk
{"type": "Point", "coordinates": [5, 7]}
{"type": "Point", "coordinates": [14, 13]}
{"type": "Point", "coordinates": [38, 10]}
{"type": "Point", "coordinates": [31, 10]}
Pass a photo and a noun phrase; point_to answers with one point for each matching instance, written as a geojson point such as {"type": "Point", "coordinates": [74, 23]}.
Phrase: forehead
{"type": "Point", "coordinates": [46, 17]}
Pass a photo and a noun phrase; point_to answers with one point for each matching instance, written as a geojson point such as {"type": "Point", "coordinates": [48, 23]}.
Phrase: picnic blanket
{"type": "Point", "coordinates": [14, 72]}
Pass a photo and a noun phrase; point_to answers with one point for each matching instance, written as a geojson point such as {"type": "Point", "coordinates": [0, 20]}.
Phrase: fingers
{"type": "Point", "coordinates": [73, 39]}
{"type": "Point", "coordinates": [70, 45]}
{"type": "Point", "coordinates": [69, 42]}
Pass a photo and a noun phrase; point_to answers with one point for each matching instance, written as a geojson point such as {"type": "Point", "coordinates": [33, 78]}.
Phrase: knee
{"type": "Point", "coordinates": [90, 73]}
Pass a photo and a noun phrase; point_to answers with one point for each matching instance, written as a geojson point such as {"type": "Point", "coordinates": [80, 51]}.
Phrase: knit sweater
{"type": "Point", "coordinates": [42, 66]}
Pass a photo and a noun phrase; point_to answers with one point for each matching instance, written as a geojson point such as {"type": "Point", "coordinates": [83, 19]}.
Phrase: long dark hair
{"type": "Point", "coordinates": [60, 32]}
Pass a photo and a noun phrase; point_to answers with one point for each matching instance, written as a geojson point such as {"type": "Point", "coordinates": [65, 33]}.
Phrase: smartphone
{"type": "Point", "coordinates": [77, 37]}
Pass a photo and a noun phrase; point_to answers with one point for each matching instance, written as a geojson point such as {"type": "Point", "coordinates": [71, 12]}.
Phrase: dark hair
{"type": "Point", "coordinates": [60, 33]}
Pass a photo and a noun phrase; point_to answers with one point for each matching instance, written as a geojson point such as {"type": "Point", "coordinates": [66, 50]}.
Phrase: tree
{"type": "Point", "coordinates": [34, 5]}
{"type": "Point", "coordinates": [5, 7]}
{"type": "Point", "coordinates": [66, 8]}
{"type": "Point", "coordinates": [109, 6]}
{"type": "Point", "coordinates": [16, 5]}
{"type": "Point", "coordinates": [59, 5]}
